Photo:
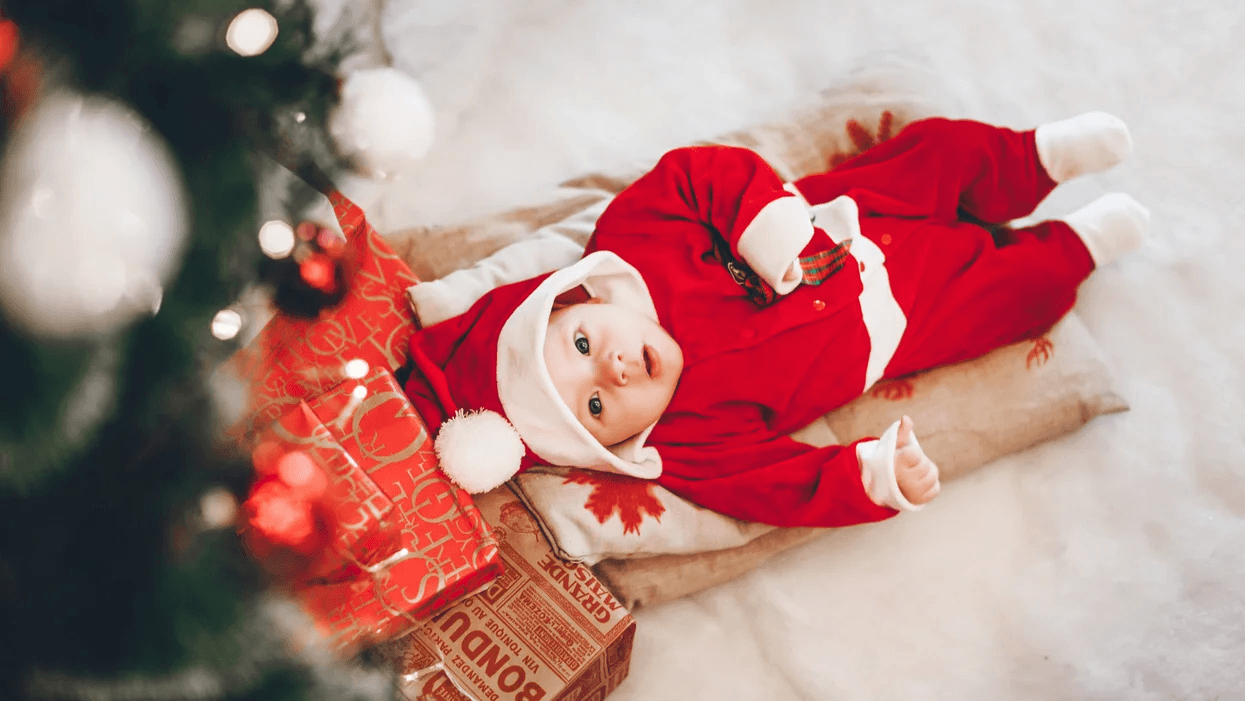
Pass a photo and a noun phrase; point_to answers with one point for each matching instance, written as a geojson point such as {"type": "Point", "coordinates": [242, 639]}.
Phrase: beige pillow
{"type": "Point", "coordinates": [649, 581]}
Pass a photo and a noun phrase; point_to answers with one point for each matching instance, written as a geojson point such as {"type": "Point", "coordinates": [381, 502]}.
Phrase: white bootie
{"type": "Point", "coordinates": [1110, 226]}
{"type": "Point", "coordinates": [1088, 143]}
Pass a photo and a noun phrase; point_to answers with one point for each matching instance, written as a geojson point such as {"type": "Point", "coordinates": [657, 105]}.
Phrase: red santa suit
{"type": "Point", "coordinates": [719, 240]}
{"type": "Point", "coordinates": [787, 300]}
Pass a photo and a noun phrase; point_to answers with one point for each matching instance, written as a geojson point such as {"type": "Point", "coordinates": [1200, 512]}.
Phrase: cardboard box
{"type": "Point", "coordinates": [546, 630]}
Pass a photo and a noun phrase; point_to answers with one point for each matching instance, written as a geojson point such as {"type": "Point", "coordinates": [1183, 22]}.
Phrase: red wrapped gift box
{"type": "Point", "coordinates": [434, 547]}
{"type": "Point", "coordinates": [293, 359]}
{"type": "Point", "coordinates": [445, 550]}
{"type": "Point", "coordinates": [364, 519]}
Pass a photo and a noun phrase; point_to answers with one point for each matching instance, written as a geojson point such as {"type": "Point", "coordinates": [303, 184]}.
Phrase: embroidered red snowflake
{"type": "Point", "coordinates": [1041, 352]}
{"type": "Point", "coordinates": [862, 139]}
{"type": "Point", "coordinates": [893, 390]}
{"type": "Point", "coordinates": [629, 496]}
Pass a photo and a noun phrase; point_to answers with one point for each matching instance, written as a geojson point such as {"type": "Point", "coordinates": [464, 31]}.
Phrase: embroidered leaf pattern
{"type": "Point", "coordinates": [630, 497]}
{"type": "Point", "coordinates": [862, 140]}
{"type": "Point", "coordinates": [1041, 352]}
{"type": "Point", "coordinates": [894, 390]}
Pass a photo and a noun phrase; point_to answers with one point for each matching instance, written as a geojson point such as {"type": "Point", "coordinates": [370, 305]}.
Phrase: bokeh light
{"type": "Point", "coordinates": [276, 239]}
{"type": "Point", "coordinates": [357, 368]}
{"type": "Point", "coordinates": [251, 32]}
{"type": "Point", "coordinates": [218, 507]}
{"type": "Point", "coordinates": [226, 324]}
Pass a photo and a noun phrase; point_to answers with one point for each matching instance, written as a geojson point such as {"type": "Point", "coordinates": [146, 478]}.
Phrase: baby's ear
{"type": "Point", "coordinates": [575, 295]}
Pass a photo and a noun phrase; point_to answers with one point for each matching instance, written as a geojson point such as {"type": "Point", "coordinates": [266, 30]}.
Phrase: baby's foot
{"type": "Point", "coordinates": [1110, 226]}
{"type": "Point", "coordinates": [1088, 143]}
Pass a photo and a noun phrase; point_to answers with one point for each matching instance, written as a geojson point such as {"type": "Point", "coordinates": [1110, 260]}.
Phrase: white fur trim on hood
{"type": "Point", "coordinates": [526, 390]}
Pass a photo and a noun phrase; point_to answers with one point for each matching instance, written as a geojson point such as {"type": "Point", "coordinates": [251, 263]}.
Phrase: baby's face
{"type": "Point", "coordinates": [615, 368]}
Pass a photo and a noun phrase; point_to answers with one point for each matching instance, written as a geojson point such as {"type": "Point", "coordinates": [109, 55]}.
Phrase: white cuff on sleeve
{"type": "Point", "coordinates": [877, 470]}
{"type": "Point", "coordinates": [437, 300]}
{"type": "Point", "coordinates": [772, 242]}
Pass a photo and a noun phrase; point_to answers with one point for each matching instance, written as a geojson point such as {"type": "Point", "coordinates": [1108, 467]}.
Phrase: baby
{"type": "Point", "coordinates": [717, 309]}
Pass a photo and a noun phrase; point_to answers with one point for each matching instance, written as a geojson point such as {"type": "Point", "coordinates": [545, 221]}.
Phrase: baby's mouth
{"type": "Point", "coordinates": [652, 365]}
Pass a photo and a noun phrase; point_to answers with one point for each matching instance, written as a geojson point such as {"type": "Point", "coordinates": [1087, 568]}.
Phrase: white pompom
{"type": "Point", "coordinates": [479, 450]}
{"type": "Point", "coordinates": [92, 218]}
{"type": "Point", "coordinates": [384, 121]}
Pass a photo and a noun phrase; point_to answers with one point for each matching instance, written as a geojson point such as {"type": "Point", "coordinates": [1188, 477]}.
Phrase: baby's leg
{"type": "Point", "coordinates": [938, 167]}
{"type": "Point", "coordinates": [1012, 289]}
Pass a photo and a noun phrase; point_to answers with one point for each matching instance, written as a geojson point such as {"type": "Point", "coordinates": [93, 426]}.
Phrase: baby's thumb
{"type": "Point", "coordinates": [905, 432]}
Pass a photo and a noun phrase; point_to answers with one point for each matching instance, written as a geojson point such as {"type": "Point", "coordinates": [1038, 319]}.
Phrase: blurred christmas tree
{"type": "Point", "coordinates": [128, 220]}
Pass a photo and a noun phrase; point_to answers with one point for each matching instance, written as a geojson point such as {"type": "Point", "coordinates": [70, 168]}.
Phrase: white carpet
{"type": "Point", "coordinates": [1107, 565]}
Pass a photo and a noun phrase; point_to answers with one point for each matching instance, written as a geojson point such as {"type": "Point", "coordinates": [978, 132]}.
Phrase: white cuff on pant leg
{"type": "Point", "coordinates": [877, 470]}
{"type": "Point", "coordinates": [1110, 226]}
{"type": "Point", "coordinates": [1088, 143]}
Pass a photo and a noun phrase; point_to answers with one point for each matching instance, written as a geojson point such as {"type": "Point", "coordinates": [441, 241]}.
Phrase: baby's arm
{"type": "Point", "coordinates": [730, 191]}
{"type": "Point", "coordinates": [783, 482]}
{"type": "Point", "coordinates": [895, 469]}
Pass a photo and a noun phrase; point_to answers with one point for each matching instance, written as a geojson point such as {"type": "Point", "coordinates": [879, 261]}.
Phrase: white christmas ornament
{"type": "Point", "coordinates": [92, 218]}
{"type": "Point", "coordinates": [384, 121]}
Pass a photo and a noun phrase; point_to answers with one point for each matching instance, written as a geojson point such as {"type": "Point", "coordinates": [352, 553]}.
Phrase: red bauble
{"type": "Point", "coordinates": [290, 525]}
{"type": "Point", "coordinates": [315, 276]}
{"type": "Point", "coordinates": [20, 76]}
{"type": "Point", "coordinates": [8, 43]}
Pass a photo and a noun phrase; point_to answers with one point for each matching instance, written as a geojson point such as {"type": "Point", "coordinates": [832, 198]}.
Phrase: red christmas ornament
{"type": "Point", "coordinates": [319, 272]}
{"type": "Point", "coordinates": [20, 75]}
{"type": "Point", "coordinates": [315, 276]}
{"type": "Point", "coordinates": [8, 43]}
{"type": "Point", "coordinates": [290, 526]}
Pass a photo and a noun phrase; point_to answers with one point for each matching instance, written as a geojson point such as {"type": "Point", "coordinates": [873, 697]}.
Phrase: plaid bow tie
{"type": "Point", "coordinates": [815, 269]}
{"type": "Point", "coordinates": [819, 267]}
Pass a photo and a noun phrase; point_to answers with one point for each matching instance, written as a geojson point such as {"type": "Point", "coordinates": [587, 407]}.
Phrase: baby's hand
{"type": "Point", "coordinates": [916, 474]}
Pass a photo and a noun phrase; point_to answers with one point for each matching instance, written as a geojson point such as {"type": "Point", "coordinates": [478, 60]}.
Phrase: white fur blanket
{"type": "Point", "coordinates": [1106, 565]}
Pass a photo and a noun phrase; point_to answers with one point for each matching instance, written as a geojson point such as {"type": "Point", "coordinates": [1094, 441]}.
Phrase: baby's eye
{"type": "Point", "coordinates": [581, 342]}
{"type": "Point", "coordinates": [594, 404]}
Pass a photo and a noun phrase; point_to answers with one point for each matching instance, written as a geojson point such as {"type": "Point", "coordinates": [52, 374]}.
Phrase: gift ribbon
{"type": "Point", "coordinates": [413, 680]}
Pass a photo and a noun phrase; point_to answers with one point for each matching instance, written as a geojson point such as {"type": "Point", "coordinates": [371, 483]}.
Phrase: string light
{"type": "Point", "coordinates": [226, 324]}
{"type": "Point", "coordinates": [357, 368]}
{"type": "Point", "coordinates": [218, 507]}
{"type": "Point", "coordinates": [251, 32]}
{"type": "Point", "coordinates": [276, 239]}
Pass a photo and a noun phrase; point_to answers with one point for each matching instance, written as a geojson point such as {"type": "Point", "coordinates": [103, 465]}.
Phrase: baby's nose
{"type": "Point", "coordinates": [615, 369]}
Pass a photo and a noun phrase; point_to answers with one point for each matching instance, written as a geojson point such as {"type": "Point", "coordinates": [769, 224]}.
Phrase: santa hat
{"type": "Point", "coordinates": [483, 374]}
